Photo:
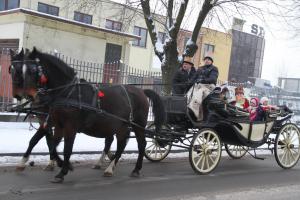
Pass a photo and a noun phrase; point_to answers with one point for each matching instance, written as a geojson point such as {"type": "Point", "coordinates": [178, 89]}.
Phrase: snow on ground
{"type": "Point", "coordinates": [15, 136]}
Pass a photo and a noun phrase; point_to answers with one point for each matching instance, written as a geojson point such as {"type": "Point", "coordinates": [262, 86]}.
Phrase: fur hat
{"type": "Point", "coordinates": [209, 58]}
{"type": "Point", "coordinates": [264, 99]}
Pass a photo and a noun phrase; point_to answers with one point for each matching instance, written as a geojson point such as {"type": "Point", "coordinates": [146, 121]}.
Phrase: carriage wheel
{"type": "Point", "coordinates": [287, 142]}
{"type": "Point", "coordinates": [156, 150]}
{"type": "Point", "coordinates": [236, 151]}
{"type": "Point", "coordinates": [205, 151]}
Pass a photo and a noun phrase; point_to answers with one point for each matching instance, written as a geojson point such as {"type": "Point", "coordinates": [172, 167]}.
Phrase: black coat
{"type": "Point", "coordinates": [182, 80]}
{"type": "Point", "coordinates": [207, 74]}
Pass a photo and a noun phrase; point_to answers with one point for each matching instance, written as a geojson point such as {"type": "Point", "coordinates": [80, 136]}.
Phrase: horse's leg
{"type": "Point", "coordinates": [140, 138]}
{"type": "Point", "coordinates": [41, 132]}
{"type": "Point", "coordinates": [121, 144]}
{"type": "Point", "coordinates": [101, 161]}
{"type": "Point", "coordinates": [53, 154]}
{"type": "Point", "coordinates": [55, 142]}
{"type": "Point", "coordinates": [68, 147]}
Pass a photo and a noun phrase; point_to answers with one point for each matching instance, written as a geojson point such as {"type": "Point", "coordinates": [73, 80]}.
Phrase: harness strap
{"type": "Point", "coordinates": [131, 112]}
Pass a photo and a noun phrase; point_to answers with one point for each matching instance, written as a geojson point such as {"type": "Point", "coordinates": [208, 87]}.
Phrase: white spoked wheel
{"type": "Point", "coordinates": [156, 149]}
{"type": "Point", "coordinates": [287, 152]}
{"type": "Point", "coordinates": [236, 151]}
{"type": "Point", "coordinates": [205, 151]}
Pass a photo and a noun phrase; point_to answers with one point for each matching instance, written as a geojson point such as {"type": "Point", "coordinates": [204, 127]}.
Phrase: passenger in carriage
{"type": "Point", "coordinates": [253, 108]}
{"type": "Point", "coordinates": [225, 95]}
{"type": "Point", "coordinates": [182, 78]}
{"type": "Point", "coordinates": [240, 100]}
{"type": "Point", "coordinates": [204, 81]}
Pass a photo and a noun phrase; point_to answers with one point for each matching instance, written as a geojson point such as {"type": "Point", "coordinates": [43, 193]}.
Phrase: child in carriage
{"type": "Point", "coordinates": [240, 100]}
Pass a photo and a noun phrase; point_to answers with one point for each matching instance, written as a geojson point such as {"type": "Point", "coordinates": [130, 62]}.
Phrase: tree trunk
{"type": "Point", "coordinates": [169, 66]}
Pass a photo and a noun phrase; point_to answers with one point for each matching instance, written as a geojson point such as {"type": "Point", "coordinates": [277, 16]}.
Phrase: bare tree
{"type": "Point", "coordinates": [217, 10]}
{"type": "Point", "coordinates": [173, 14]}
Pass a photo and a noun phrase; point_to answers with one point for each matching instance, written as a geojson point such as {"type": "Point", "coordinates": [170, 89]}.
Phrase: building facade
{"type": "Point", "coordinates": [210, 43]}
{"type": "Point", "coordinates": [246, 57]}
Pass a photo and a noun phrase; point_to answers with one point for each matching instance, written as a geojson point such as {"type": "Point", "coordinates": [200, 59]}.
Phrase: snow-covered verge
{"type": "Point", "coordinates": [14, 138]}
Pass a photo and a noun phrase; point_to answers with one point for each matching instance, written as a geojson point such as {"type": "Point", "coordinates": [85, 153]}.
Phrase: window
{"type": "Point", "coordinates": [208, 50]}
{"type": "Point", "coordinates": [162, 37]}
{"type": "Point", "coordinates": [81, 17]}
{"type": "Point", "coordinates": [48, 9]}
{"type": "Point", "coordinates": [113, 25]}
{"type": "Point", "coordinates": [143, 33]}
{"type": "Point", "coordinates": [9, 4]}
{"type": "Point", "coordinates": [186, 39]}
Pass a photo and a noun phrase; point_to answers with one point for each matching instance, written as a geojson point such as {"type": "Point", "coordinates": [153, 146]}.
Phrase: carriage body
{"type": "Point", "coordinates": [224, 124]}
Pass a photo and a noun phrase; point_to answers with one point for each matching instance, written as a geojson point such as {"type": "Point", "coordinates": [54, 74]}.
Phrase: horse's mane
{"type": "Point", "coordinates": [58, 63]}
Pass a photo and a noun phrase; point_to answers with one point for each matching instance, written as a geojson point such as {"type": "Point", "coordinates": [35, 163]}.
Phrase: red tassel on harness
{"type": "Point", "coordinates": [100, 94]}
{"type": "Point", "coordinates": [43, 79]}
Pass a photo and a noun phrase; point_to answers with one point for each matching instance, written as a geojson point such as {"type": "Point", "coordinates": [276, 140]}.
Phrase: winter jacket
{"type": "Point", "coordinates": [182, 80]}
{"type": "Point", "coordinates": [207, 74]}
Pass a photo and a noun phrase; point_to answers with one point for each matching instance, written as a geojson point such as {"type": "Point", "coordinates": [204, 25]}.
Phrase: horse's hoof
{"type": "Point", "coordinates": [135, 174]}
{"type": "Point", "coordinates": [20, 168]}
{"type": "Point", "coordinates": [57, 180]}
{"type": "Point", "coordinates": [71, 168]}
{"type": "Point", "coordinates": [49, 168]}
{"type": "Point", "coordinates": [59, 164]}
{"type": "Point", "coordinates": [108, 174]}
{"type": "Point", "coordinates": [96, 167]}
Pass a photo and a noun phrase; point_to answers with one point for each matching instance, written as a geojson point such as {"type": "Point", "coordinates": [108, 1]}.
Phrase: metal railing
{"type": "Point", "coordinates": [120, 73]}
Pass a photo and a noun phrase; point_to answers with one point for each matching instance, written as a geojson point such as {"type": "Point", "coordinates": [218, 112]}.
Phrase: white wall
{"type": "Point", "coordinates": [12, 31]}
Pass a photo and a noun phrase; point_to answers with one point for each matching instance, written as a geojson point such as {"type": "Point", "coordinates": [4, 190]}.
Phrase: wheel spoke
{"type": "Point", "coordinates": [150, 146]}
{"type": "Point", "coordinates": [197, 164]}
{"type": "Point", "coordinates": [203, 162]}
{"type": "Point", "coordinates": [206, 161]}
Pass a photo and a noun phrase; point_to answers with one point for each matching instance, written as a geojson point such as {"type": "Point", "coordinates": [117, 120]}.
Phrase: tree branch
{"type": "Point", "coordinates": [175, 28]}
{"type": "Point", "coordinates": [192, 46]}
{"type": "Point", "coordinates": [151, 27]}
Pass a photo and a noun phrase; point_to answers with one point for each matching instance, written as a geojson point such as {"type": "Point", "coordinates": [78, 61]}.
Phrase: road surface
{"type": "Point", "coordinates": [172, 179]}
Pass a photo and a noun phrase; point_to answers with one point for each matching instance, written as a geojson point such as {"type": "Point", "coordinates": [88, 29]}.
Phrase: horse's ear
{"type": "Point", "coordinates": [12, 53]}
{"type": "Point", "coordinates": [21, 54]}
{"type": "Point", "coordinates": [34, 50]}
{"type": "Point", "coordinates": [27, 52]}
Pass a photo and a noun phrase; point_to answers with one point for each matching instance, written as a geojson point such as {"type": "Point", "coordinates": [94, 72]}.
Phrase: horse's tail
{"type": "Point", "coordinates": [157, 108]}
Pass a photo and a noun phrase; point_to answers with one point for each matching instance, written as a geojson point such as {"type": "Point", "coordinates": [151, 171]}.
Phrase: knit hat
{"type": "Point", "coordinates": [264, 99]}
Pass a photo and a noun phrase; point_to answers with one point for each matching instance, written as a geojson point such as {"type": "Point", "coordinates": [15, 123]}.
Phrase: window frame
{"type": "Point", "coordinates": [204, 50]}
{"type": "Point", "coordinates": [48, 6]}
{"type": "Point", "coordinates": [113, 25]}
{"type": "Point", "coordinates": [6, 5]}
{"type": "Point", "coordinates": [139, 41]}
{"type": "Point", "coordinates": [82, 17]}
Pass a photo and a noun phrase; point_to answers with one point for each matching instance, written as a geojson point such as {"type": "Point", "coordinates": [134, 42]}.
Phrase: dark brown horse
{"type": "Point", "coordinates": [77, 107]}
{"type": "Point", "coordinates": [45, 128]}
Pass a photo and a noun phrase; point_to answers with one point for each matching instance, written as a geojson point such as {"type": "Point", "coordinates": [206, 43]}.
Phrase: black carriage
{"type": "Point", "coordinates": [226, 125]}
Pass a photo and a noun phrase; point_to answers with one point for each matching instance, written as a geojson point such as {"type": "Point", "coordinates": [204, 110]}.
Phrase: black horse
{"type": "Point", "coordinates": [45, 128]}
{"type": "Point", "coordinates": [80, 107]}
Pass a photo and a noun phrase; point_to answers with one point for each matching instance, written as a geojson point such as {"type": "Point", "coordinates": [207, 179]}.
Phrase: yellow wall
{"type": "Point", "coordinates": [222, 42]}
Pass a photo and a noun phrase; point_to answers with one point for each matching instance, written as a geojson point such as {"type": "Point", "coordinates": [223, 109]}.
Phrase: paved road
{"type": "Point", "coordinates": [172, 179]}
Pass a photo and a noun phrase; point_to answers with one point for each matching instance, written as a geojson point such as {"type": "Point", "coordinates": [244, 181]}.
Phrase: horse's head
{"type": "Point", "coordinates": [27, 74]}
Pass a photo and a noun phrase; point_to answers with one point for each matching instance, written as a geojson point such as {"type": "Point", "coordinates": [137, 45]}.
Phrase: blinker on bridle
{"type": "Point", "coordinates": [42, 79]}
